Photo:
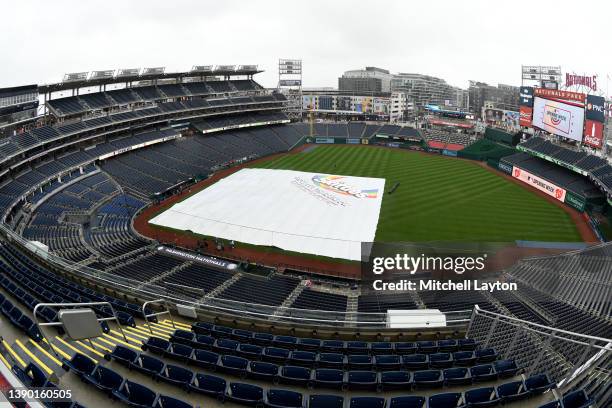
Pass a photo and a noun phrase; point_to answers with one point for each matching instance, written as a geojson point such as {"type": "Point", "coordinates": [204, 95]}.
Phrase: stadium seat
{"type": "Point", "coordinates": [80, 364]}
{"type": "Point", "coordinates": [250, 351]}
{"type": "Point", "coordinates": [576, 399]}
{"type": "Point", "coordinates": [332, 346]}
{"type": "Point", "coordinates": [202, 327]}
{"type": "Point", "coordinates": [357, 347]}
{"type": "Point", "coordinates": [440, 360]}
{"type": "Point", "coordinates": [485, 355]}
{"type": "Point", "coordinates": [388, 362]}
{"type": "Point", "coordinates": [205, 359]}
{"type": "Point", "coordinates": [233, 365]}
{"type": "Point", "coordinates": [283, 399]}
{"type": "Point", "coordinates": [512, 391]}
{"type": "Point", "coordinates": [263, 339]}
{"type": "Point", "coordinates": [226, 346]}
{"type": "Point", "coordinates": [148, 365]}
{"type": "Point", "coordinates": [31, 376]}
{"type": "Point", "coordinates": [445, 400]}
{"type": "Point", "coordinates": [402, 348]}
{"type": "Point", "coordinates": [287, 342]}
{"type": "Point", "coordinates": [449, 345]}
{"type": "Point", "coordinates": [415, 361]}
{"type": "Point", "coordinates": [275, 355]}
{"type": "Point", "coordinates": [331, 360]}
{"type": "Point", "coordinates": [381, 348]}
{"type": "Point", "coordinates": [426, 347]}
{"type": "Point", "coordinates": [104, 379]}
{"type": "Point", "coordinates": [135, 395]}
{"type": "Point", "coordinates": [481, 397]}
{"type": "Point", "coordinates": [360, 361]}
{"type": "Point", "coordinates": [242, 335]}
{"type": "Point", "coordinates": [176, 375]}
{"type": "Point", "coordinates": [456, 376]}
{"type": "Point", "coordinates": [245, 394]}
{"type": "Point", "coordinates": [407, 401]}
{"type": "Point", "coordinates": [538, 384]}
{"type": "Point", "coordinates": [303, 358]}
{"type": "Point", "coordinates": [209, 385]}
{"type": "Point", "coordinates": [506, 368]}
{"type": "Point", "coordinates": [183, 337]}
{"type": "Point", "coordinates": [156, 345]}
{"type": "Point", "coordinates": [325, 401]}
{"type": "Point", "coordinates": [428, 379]}
{"type": "Point", "coordinates": [179, 351]}
{"type": "Point", "coordinates": [294, 375]}
{"type": "Point", "coordinates": [328, 378]}
{"type": "Point", "coordinates": [367, 402]}
{"type": "Point", "coordinates": [484, 372]}
{"type": "Point", "coordinates": [362, 380]}
{"type": "Point", "coordinates": [464, 358]}
{"type": "Point", "coordinates": [221, 332]}
{"type": "Point", "coordinates": [260, 370]}
{"type": "Point", "coordinates": [123, 355]}
{"type": "Point", "coordinates": [164, 401]}
{"type": "Point", "coordinates": [395, 380]}
{"type": "Point", "coordinates": [203, 342]}
{"type": "Point", "coordinates": [309, 344]}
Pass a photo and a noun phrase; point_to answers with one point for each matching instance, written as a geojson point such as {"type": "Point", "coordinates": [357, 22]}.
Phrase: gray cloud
{"type": "Point", "coordinates": [456, 40]}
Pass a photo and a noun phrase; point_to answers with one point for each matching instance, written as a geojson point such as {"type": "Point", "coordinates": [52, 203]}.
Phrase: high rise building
{"type": "Point", "coordinates": [500, 97]}
{"type": "Point", "coordinates": [428, 90]}
{"type": "Point", "coordinates": [370, 79]}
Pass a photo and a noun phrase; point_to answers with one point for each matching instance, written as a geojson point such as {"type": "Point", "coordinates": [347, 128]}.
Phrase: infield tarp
{"type": "Point", "coordinates": [312, 213]}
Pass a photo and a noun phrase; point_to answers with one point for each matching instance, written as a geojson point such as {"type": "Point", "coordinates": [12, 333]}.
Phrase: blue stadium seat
{"type": "Point", "coordinates": [428, 379]}
{"type": "Point", "coordinates": [164, 401]}
{"type": "Point", "coordinates": [221, 332]}
{"type": "Point", "coordinates": [457, 376]}
{"type": "Point", "coordinates": [538, 383]}
{"type": "Point", "coordinates": [381, 348]}
{"type": "Point", "coordinates": [156, 345]}
{"type": "Point", "coordinates": [104, 379]}
{"type": "Point", "coordinates": [388, 362]}
{"type": "Point", "coordinates": [294, 375]}
{"type": "Point", "coordinates": [263, 339]}
{"type": "Point", "coordinates": [449, 345]}
{"type": "Point", "coordinates": [506, 368]}
{"type": "Point", "coordinates": [368, 402]}
{"type": "Point", "coordinates": [205, 359]}
{"type": "Point", "coordinates": [123, 355]}
{"type": "Point", "coordinates": [135, 395]}
{"type": "Point", "coordinates": [325, 401]}
{"type": "Point", "coordinates": [415, 361]}
{"type": "Point", "coordinates": [407, 401]}
{"type": "Point", "coordinates": [80, 364]}
{"type": "Point", "coordinates": [467, 344]}
{"type": "Point", "coordinates": [250, 351]}
{"type": "Point", "coordinates": [245, 394]}
{"type": "Point", "coordinates": [483, 372]}
{"type": "Point", "coordinates": [176, 375]}
{"type": "Point", "coordinates": [260, 370]}
{"type": "Point", "coordinates": [357, 347]}
{"type": "Point", "coordinates": [395, 380]}
{"type": "Point", "coordinates": [226, 346]}
{"type": "Point", "coordinates": [485, 355]}
{"type": "Point", "coordinates": [576, 399]}
{"type": "Point", "coordinates": [202, 327]}
{"type": "Point", "coordinates": [332, 360]}
{"type": "Point", "coordinates": [179, 351]}
{"type": "Point", "coordinates": [183, 337]}
{"type": "Point", "coordinates": [309, 344]}
{"type": "Point", "coordinates": [440, 360]}
{"type": "Point", "coordinates": [333, 346]}
{"type": "Point", "coordinates": [464, 358]}
{"type": "Point", "coordinates": [426, 346]}
{"type": "Point", "coordinates": [242, 335]}
{"type": "Point", "coordinates": [210, 385]}
{"type": "Point", "coordinates": [512, 391]}
{"type": "Point", "coordinates": [362, 380]}
{"type": "Point", "coordinates": [303, 358]}
{"type": "Point", "coordinates": [233, 365]}
{"type": "Point", "coordinates": [283, 399]}
{"type": "Point", "coordinates": [148, 365]}
{"type": "Point", "coordinates": [276, 355]}
{"type": "Point", "coordinates": [329, 378]}
{"type": "Point", "coordinates": [287, 342]}
{"type": "Point", "coordinates": [360, 361]}
{"type": "Point", "coordinates": [405, 347]}
{"type": "Point", "coordinates": [31, 376]}
{"type": "Point", "coordinates": [481, 397]}
{"type": "Point", "coordinates": [445, 400]}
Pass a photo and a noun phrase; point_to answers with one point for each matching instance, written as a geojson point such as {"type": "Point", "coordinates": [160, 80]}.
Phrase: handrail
{"type": "Point", "coordinates": [146, 316]}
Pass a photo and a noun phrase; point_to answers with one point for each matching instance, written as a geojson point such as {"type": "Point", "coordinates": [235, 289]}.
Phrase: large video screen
{"type": "Point", "coordinates": [558, 118]}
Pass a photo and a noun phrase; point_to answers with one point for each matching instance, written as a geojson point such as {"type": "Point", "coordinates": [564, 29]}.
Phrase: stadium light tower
{"type": "Point", "coordinates": [290, 84]}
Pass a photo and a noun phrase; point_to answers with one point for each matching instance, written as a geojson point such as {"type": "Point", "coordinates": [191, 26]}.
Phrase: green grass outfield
{"type": "Point", "coordinates": [440, 198]}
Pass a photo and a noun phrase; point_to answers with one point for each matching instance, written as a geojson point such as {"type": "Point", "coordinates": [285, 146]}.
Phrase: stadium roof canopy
{"type": "Point", "coordinates": [98, 78]}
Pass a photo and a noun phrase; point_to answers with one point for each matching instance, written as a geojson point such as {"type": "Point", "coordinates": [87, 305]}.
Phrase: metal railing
{"type": "Point", "coordinates": [573, 360]}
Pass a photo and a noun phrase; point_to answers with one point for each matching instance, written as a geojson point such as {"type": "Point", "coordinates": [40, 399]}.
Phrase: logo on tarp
{"type": "Point", "coordinates": [338, 184]}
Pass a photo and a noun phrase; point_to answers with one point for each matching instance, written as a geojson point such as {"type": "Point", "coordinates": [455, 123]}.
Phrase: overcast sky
{"type": "Point", "coordinates": [456, 40]}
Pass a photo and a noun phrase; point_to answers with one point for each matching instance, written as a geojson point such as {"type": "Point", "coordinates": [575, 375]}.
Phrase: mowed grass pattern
{"type": "Point", "coordinates": [440, 198]}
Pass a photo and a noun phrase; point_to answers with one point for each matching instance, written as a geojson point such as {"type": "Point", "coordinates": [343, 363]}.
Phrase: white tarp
{"type": "Point", "coordinates": [311, 213]}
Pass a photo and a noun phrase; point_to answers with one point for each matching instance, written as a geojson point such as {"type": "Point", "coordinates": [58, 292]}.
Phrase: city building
{"type": "Point", "coordinates": [482, 95]}
{"type": "Point", "coordinates": [428, 90]}
{"type": "Point", "coordinates": [370, 79]}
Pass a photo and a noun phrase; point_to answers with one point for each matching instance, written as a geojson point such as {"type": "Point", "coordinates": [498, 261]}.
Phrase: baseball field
{"type": "Point", "coordinates": [440, 198]}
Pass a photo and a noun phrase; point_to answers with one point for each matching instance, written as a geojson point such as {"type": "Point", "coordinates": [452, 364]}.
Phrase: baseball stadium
{"type": "Point", "coordinates": [194, 238]}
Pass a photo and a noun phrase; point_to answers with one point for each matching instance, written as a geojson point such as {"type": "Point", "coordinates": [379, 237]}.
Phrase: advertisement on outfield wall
{"type": "Point", "coordinates": [541, 184]}
{"type": "Point", "coordinates": [559, 118]}
{"type": "Point", "coordinates": [505, 167]}
{"type": "Point", "coordinates": [593, 134]}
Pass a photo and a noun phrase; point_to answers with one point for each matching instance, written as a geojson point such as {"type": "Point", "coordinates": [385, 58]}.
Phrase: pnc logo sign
{"type": "Point", "coordinates": [338, 185]}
